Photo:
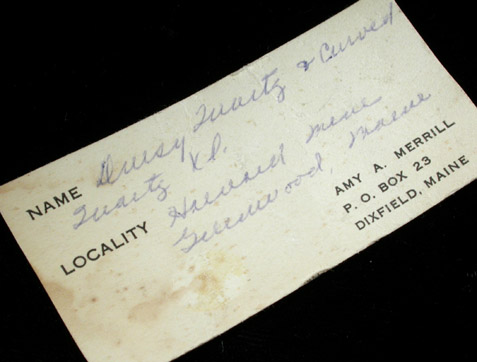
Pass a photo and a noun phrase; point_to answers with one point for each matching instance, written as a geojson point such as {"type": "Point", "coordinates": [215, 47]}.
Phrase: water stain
{"type": "Point", "coordinates": [64, 300]}
{"type": "Point", "coordinates": [218, 281]}
{"type": "Point", "coordinates": [146, 311]}
{"type": "Point", "coordinates": [62, 296]}
{"type": "Point", "coordinates": [208, 286]}
{"type": "Point", "coordinates": [151, 309]}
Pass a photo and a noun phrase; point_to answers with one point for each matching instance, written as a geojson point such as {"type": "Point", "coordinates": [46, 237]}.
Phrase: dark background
{"type": "Point", "coordinates": [75, 75]}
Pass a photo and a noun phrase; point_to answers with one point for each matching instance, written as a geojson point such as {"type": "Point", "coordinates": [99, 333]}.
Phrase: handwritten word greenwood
{"type": "Point", "coordinates": [227, 224]}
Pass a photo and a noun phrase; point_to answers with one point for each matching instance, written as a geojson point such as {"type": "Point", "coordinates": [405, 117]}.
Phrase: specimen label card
{"type": "Point", "coordinates": [175, 229]}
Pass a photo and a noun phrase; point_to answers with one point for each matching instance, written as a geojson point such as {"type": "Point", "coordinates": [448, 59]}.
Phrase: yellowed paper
{"type": "Point", "coordinates": [236, 196]}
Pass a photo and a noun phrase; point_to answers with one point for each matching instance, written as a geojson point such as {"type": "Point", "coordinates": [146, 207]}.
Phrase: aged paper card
{"type": "Point", "coordinates": [168, 233]}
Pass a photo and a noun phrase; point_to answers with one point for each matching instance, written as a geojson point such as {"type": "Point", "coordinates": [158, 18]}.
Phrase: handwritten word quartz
{"type": "Point", "coordinates": [270, 84]}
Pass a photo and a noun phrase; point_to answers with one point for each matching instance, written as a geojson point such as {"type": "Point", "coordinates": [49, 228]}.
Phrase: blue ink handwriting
{"type": "Point", "coordinates": [270, 84]}
{"type": "Point", "coordinates": [109, 174]}
{"type": "Point", "coordinates": [364, 131]}
{"type": "Point", "coordinates": [154, 186]}
{"type": "Point", "coordinates": [227, 224]}
{"type": "Point", "coordinates": [330, 51]}
{"type": "Point", "coordinates": [309, 174]}
{"type": "Point", "coordinates": [215, 148]}
{"type": "Point", "coordinates": [305, 64]}
{"type": "Point", "coordinates": [197, 206]}
{"type": "Point", "coordinates": [321, 127]}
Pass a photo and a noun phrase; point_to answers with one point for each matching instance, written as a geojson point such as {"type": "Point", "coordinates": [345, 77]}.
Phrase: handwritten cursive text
{"type": "Point", "coordinates": [270, 83]}
{"type": "Point", "coordinates": [364, 131]}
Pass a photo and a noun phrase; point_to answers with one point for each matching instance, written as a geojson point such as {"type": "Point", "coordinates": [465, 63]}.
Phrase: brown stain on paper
{"type": "Point", "coordinates": [211, 285]}
{"type": "Point", "coordinates": [146, 311]}
{"type": "Point", "coordinates": [62, 296]}
{"type": "Point", "coordinates": [218, 281]}
{"type": "Point", "coordinates": [64, 300]}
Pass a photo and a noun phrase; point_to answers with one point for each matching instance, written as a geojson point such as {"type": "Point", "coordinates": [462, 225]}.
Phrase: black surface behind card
{"type": "Point", "coordinates": [74, 76]}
